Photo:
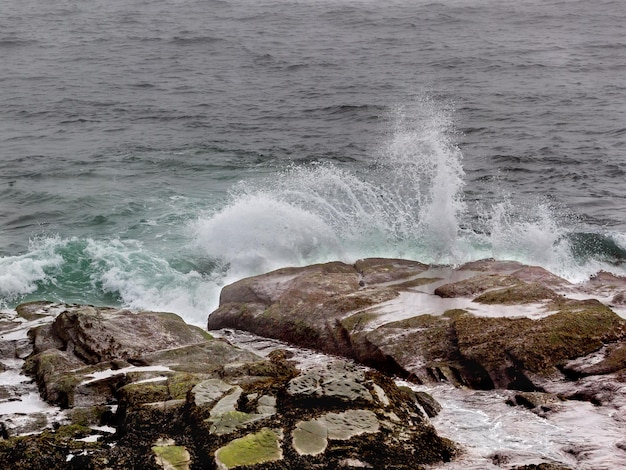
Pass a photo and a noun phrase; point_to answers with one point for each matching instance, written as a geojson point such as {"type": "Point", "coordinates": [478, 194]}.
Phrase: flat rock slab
{"type": "Point", "coordinates": [311, 437]}
{"type": "Point", "coordinates": [253, 449]}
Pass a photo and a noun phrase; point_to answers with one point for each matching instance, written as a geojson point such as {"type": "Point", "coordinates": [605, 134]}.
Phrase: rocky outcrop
{"type": "Point", "coordinates": [177, 398]}
{"type": "Point", "coordinates": [146, 390]}
{"type": "Point", "coordinates": [484, 325]}
{"type": "Point", "coordinates": [87, 354]}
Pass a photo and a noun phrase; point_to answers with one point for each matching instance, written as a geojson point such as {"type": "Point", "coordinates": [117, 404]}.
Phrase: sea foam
{"type": "Point", "coordinates": [408, 202]}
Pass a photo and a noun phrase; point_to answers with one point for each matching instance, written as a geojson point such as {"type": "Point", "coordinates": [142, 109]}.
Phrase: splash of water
{"type": "Point", "coordinates": [427, 178]}
{"type": "Point", "coordinates": [20, 275]}
{"type": "Point", "coordinates": [409, 204]}
{"type": "Point", "coordinates": [105, 272]}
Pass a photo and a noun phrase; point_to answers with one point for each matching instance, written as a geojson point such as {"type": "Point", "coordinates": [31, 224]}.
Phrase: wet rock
{"type": "Point", "coordinates": [299, 423]}
{"type": "Point", "coordinates": [169, 456]}
{"type": "Point", "coordinates": [470, 347]}
{"type": "Point", "coordinates": [49, 450]}
{"type": "Point", "coordinates": [383, 270]}
{"type": "Point", "coordinates": [314, 294]}
{"type": "Point", "coordinates": [430, 406]}
{"type": "Point", "coordinates": [599, 390]}
{"type": "Point", "coordinates": [99, 335]}
{"type": "Point", "coordinates": [338, 381]}
{"type": "Point", "coordinates": [611, 358]}
{"type": "Point", "coordinates": [475, 285]}
{"type": "Point", "coordinates": [311, 437]}
{"type": "Point", "coordinates": [538, 401]}
{"type": "Point", "coordinates": [88, 354]}
{"type": "Point", "coordinates": [492, 265]}
{"type": "Point", "coordinates": [542, 466]}
{"type": "Point", "coordinates": [523, 286]}
{"type": "Point", "coordinates": [607, 285]}
{"type": "Point", "coordinates": [189, 400]}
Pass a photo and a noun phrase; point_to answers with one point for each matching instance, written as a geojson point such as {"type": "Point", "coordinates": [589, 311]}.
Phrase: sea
{"type": "Point", "coordinates": [153, 151]}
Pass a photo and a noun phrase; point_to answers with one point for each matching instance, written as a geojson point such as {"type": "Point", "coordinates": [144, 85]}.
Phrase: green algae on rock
{"type": "Point", "coordinates": [260, 447]}
{"type": "Point", "coordinates": [169, 456]}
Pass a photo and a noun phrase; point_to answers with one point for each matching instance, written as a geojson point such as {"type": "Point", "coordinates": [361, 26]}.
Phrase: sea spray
{"type": "Point", "coordinates": [259, 232]}
{"type": "Point", "coordinates": [427, 173]}
{"type": "Point", "coordinates": [105, 272]}
{"type": "Point", "coordinates": [21, 275]}
{"type": "Point", "coordinates": [408, 203]}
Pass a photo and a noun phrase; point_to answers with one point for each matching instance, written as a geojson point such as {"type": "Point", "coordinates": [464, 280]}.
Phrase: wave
{"type": "Point", "coordinates": [106, 272]}
{"type": "Point", "coordinates": [408, 202]}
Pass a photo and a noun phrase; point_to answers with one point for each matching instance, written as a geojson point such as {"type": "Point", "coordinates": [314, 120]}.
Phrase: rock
{"type": "Point", "coordinates": [339, 381]}
{"type": "Point", "coordinates": [323, 307]}
{"type": "Point", "coordinates": [542, 466]}
{"type": "Point", "coordinates": [169, 456]}
{"type": "Point", "coordinates": [611, 358]}
{"type": "Point", "coordinates": [88, 354]}
{"type": "Point", "coordinates": [316, 297]}
{"type": "Point", "coordinates": [311, 437]}
{"type": "Point", "coordinates": [258, 448]}
{"type": "Point", "coordinates": [301, 421]}
{"type": "Point", "coordinates": [189, 401]}
{"type": "Point", "coordinates": [99, 335]}
{"type": "Point", "coordinates": [383, 270]}
{"type": "Point", "coordinates": [475, 285]}
{"type": "Point", "coordinates": [539, 401]}
{"type": "Point", "coordinates": [430, 406]}
{"type": "Point", "coordinates": [49, 450]}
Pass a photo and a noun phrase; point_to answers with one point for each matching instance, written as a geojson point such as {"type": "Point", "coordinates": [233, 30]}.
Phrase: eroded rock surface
{"type": "Point", "coordinates": [179, 399]}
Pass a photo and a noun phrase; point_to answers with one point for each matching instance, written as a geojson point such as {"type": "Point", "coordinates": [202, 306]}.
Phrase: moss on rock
{"type": "Point", "coordinates": [170, 456]}
{"type": "Point", "coordinates": [256, 448]}
{"type": "Point", "coordinates": [518, 294]}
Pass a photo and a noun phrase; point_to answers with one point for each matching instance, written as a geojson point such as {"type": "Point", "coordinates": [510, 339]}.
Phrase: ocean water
{"type": "Point", "coordinates": [151, 152]}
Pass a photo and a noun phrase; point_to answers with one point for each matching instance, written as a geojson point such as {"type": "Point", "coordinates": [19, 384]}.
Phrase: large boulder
{"type": "Point", "coordinates": [304, 305]}
{"type": "Point", "coordinates": [487, 324]}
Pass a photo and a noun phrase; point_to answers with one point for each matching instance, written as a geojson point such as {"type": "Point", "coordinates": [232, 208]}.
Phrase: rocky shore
{"type": "Point", "coordinates": [111, 388]}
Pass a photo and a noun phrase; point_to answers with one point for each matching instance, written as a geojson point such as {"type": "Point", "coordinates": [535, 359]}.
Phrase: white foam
{"type": "Point", "coordinates": [29, 403]}
{"type": "Point", "coordinates": [91, 438]}
{"type": "Point", "coordinates": [410, 304]}
{"type": "Point", "coordinates": [13, 376]}
{"type": "Point", "coordinates": [145, 281]}
{"type": "Point", "coordinates": [105, 374]}
{"type": "Point", "coordinates": [153, 379]}
{"type": "Point", "coordinates": [20, 274]}
{"type": "Point", "coordinates": [485, 425]}
{"type": "Point", "coordinates": [107, 429]}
